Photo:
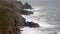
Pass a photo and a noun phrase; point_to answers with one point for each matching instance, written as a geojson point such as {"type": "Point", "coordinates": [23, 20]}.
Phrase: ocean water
{"type": "Point", "coordinates": [46, 14]}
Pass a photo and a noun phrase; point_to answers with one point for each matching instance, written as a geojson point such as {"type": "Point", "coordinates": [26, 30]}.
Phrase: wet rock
{"type": "Point", "coordinates": [27, 6]}
{"type": "Point", "coordinates": [25, 12]}
{"type": "Point", "coordinates": [32, 24]}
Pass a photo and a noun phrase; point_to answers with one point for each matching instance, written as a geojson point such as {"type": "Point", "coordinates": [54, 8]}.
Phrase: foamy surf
{"type": "Point", "coordinates": [58, 32]}
{"type": "Point", "coordinates": [42, 24]}
{"type": "Point", "coordinates": [39, 17]}
{"type": "Point", "coordinates": [28, 9]}
{"type": "Point", "coordinates": [27, 30]}
{"type": "Point", "coordinates": [34, 9]}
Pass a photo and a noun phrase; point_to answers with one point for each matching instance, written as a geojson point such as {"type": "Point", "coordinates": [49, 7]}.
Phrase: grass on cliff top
{"type": "Point", "coordinates": [5, 16]}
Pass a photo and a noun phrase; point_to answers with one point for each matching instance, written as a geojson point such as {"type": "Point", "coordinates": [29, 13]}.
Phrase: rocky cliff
{"type": "Point", "coordinates": [21, 8]}
{"type": "Point", "coordinates": [10, 20]}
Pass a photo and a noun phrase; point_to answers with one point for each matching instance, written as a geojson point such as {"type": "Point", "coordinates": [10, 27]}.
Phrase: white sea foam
{"type": "Point", "coordinates": [28, 9]}
{"type": "Point", "coordinates": [27, 30]}
{"type": "Point", "coordinates": [58, 32]}
{"type": "Point", "coordinates": [47, 25]}
{"type": "Point", "coordinates": [42, 21]}
{"type": "Point", "coordinates": [34, 9]}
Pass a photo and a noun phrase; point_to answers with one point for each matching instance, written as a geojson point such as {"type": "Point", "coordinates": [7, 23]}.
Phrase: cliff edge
{"type": "Point", "coordinates": [10, 20]}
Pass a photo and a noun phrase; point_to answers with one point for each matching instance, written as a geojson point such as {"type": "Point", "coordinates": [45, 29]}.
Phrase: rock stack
{"type": "Point", "coordinates": [21, 8]}
{"type": "Point", "coordinates": [27, 6]}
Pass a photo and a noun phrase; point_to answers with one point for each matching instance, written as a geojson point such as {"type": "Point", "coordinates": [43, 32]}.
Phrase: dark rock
{"type": "Point", "coordinates": [21, 7]}
{"type": "Point", "coordinates": [32, 24]}
{"type": "Point", "coordinates": [10, 20]}
{"type": "Point", "coordinates": [27, 6]}
{"type": "Point", "coordinates": [19, 2]}
{"type": "Point", "coordinates": [25, 12]}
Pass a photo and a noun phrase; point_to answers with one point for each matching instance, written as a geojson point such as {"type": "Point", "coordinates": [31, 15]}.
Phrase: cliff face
{"type": "Point", "coordinates": [22, 8]}
{"type": "Point", "coordinates": [10, 20]}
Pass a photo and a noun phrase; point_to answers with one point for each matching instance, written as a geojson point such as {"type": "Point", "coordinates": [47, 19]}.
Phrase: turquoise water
{"type": "Point", "coordinates": [46, 14]}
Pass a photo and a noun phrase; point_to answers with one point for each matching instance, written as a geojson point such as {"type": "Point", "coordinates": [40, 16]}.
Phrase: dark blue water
{"type": "Point", "coordinates": [47, 14]}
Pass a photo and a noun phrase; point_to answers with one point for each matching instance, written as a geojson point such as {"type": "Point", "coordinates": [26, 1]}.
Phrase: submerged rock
{"type": "Point", "coordinates": [32, 24]}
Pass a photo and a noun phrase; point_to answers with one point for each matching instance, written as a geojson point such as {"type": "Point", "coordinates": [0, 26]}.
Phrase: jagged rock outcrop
{"type": "Point", "coordinates": [10, 20]}
{"type": "Point", "coordinates": [25, 12]}
{"type": "Point", "coordinates": [21, 7]}
{"type": "Point", "coordinates": [32, 24]}
{"type": "Point", "coordinates": [27, 6]}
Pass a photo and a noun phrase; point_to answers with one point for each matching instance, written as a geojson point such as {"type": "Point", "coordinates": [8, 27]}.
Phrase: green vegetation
{"type": "Point", "coordinates": [6, 12]}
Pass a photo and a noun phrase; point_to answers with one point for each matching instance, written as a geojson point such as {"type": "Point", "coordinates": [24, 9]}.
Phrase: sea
{"type": "Point", "coordinates": [46, 14]}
